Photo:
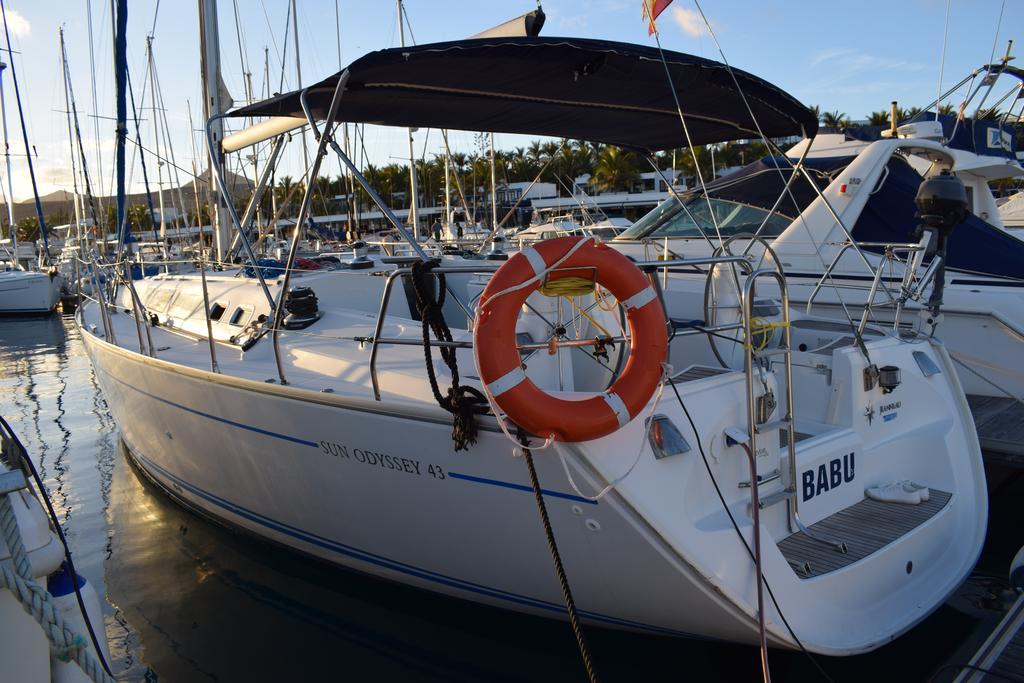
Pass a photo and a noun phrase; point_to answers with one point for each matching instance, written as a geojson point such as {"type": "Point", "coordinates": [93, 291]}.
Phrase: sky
{"type": "Point", "coordinates": [849, 57]}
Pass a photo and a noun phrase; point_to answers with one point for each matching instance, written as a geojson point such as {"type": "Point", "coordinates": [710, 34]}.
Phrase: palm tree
{"type": "Point", "coordinates": [878, 118]}
{"type": "Point", "coordinates": [28, 228]}
{"type": "Point", "coordinates": [616, 170]}
{"type": "Point", "coordinates": [522, 169]}
{"type": "Point", "coordinates": [574, 161]}
{"type": "Point", "coordinates": [834, 119]}
{"type": "Point", "coordinates": [285, 184]}
{"type": "Point", "coordinates": [535, 153]}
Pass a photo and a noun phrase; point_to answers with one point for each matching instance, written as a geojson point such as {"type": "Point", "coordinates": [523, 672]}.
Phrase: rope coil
{"type": "Point", "coordinates": [463, 402]}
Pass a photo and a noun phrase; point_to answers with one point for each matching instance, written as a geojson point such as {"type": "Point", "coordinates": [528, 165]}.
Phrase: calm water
{"type": "Point", "coordinates": [192, 601]}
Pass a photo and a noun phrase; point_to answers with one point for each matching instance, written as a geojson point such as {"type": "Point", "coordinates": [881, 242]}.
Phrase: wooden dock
{"type": "Point", "coordinates": [1000, 425]}
{"type": "Point", "coordinates": [1001, 657]}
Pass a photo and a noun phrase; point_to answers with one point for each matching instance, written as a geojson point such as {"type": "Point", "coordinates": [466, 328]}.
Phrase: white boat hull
{"type": "Point", "coordinates": [376, 487]}
{"type": "Point", "coordinates": [28, 292]}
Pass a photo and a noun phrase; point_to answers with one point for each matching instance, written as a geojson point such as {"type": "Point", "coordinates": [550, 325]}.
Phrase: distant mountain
{"type": "Point", "coordinates": [60, 203]}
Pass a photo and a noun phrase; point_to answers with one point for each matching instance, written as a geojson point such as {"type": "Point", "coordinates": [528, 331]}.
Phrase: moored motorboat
{"type": "Point", "coordinates": [838, 214]}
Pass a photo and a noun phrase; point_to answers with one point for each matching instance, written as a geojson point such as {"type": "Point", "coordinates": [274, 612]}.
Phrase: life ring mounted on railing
{"type": "Point", "coordinates": [500, 364]}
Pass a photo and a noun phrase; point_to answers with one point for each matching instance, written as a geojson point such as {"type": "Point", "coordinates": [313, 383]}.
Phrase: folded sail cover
{"type": "Point", "coordinates": [573, 88]}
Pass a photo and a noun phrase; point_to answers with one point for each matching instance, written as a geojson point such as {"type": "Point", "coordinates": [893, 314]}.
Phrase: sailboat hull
{"type": "Point", "coordinates": [28, 293]}
{"type": "Point", "coordinates": [376, 486]}
{"type": "Point", "coordinates": [384, 494]}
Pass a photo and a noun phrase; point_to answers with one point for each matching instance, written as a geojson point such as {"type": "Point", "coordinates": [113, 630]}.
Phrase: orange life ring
{"type": "Point", "coordinates": [500, 364]}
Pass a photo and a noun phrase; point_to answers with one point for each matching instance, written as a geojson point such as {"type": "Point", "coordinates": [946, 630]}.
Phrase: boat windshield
{"type": "Point", "coordinates": [669, 219]}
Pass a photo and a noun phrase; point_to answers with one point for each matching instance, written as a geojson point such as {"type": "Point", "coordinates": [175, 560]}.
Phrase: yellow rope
{"type": "Point", "coordinates": [601, 296]}
{"type": "Point", "coordinates": [760, 326]}
{"type": "Point", "coordinates": [567, 287]}
{"type": "Point", "coordinates": [587, 316]}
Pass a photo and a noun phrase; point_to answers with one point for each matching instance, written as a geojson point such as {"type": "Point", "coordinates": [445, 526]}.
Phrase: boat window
{"type": "Point", "coordinates": [157, 301]}
{"type": "Point", "coordinates": [217, 311]}
{"type": "Point", "coordinates": [670, 220]}
{"type": "Point", "coordinates": [185, 305]}
{"type": "Point", "coordinates": [241, 316]}
{"type": "Point", "coordinates": [605, 233]}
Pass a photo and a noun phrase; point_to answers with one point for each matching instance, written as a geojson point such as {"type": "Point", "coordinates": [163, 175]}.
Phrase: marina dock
{"type": "Point", "coordinates": [1001, 657]}
{"type": "Point", "coordinates": [1000, 425]}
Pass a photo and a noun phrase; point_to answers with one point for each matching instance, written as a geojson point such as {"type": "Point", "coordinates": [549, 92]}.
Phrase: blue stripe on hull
{"type": "Point", "coordinates": [394, 565]}
{"type": "Point", "coordinates": [520, 487]}
{"type": "Point", "coordinates": [313, 444]}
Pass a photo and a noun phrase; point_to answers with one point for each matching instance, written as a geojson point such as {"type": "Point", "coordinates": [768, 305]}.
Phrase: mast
{"type": "Point", "coordinates": [28, 150]}
{"type": "Point", "coordinates": [494, 191]}
{"type": "Point", "coordinates": [447, 193]}
{"type": "Point", "coordinates": [120, 10]}
{"type": "Point", "coordinates": [95, 107]}
{"type": "Point", "coordinates": [413, 209]}
{"type": "Point", "coordinates": [209, 47]}
{"type": "Point", "coordinates": [10, 182]}
{"type": "Point", "coordinates": [270, 229]}
{"type": "Point", "coordinates": [298, 84]}
{"type": "Point", "coordinates": [83, 160]}
{"type": "Point", "coordinates": [348, 182]}
{"type": "Point", "coordinates": [173, 172]}
{"type": "Point", "coordinates": [139, 148]}
{"type": "Point", "coordinates": [156, 147]}
{"type": "Point", "coordinates": [71, 146]}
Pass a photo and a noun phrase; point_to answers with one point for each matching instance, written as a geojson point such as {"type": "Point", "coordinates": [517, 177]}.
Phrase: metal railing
{"type": "Point", "coordinates": [649, 267]}
{"type": "Point", "coordinates": [908, 290]}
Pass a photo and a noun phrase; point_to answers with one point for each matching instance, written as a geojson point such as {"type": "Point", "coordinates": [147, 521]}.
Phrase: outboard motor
{"type": "Point", "coordinates": [360, 261]}
{"type": "Point", "coordinates": [942, 205]}
{"type": "Point", "coordinates": [303, 311]}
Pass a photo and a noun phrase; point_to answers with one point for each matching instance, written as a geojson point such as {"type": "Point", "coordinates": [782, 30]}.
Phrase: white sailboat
{"type": "Point", "coordinates": [21, 291]}
{"type": "Point", "coordinates": [297, 406]}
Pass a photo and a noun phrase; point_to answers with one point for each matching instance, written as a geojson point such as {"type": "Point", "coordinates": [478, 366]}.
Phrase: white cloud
{"type": "Point", "coordinates": [17, 24]}
{"type": "Point", "coordinates": [848, 60]}
{"type": "Point", "coordinates": [828, 55]}
{"type": "Point", "coordinates": [56, 176]}
{"type": "Point", "coordinates": [690, 21]}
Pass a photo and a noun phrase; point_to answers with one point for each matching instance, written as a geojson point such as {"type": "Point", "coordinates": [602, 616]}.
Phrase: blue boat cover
{"type": "Point", "coordinates": [985, 137]}
{"type": "Point", "coordinates": [594, 90]}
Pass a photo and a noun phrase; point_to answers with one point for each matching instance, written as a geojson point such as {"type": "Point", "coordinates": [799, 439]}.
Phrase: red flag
{"type": "Point", "coordinates": [652, 8]}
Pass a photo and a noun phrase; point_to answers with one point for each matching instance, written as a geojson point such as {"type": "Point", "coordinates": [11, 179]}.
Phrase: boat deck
{"type": "Point", "coordinates": [695, 372]}
{"type": "Point", "coordinates": [1001, 657]}
{"type": "Point", "coordinates": [1000, 424]}
{"type": "Point", "coordinates": [865, 527]}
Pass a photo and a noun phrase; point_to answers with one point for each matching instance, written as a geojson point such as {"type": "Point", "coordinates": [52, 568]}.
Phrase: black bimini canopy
{"type": "Point", "coordinates": [575, 88]}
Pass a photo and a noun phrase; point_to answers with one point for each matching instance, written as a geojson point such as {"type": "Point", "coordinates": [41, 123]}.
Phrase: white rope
{"type": "Point", "coordinates": [666, 371]}
{"type": "Point", "coordinates": [499, 414]}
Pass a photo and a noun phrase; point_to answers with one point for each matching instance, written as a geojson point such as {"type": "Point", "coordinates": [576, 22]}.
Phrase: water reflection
{"type": "Point", "coordinates": [192, 601]}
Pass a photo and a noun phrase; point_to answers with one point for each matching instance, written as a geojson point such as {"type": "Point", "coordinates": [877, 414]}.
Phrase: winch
{"type": "Point", "coordinates": [303, 311]}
